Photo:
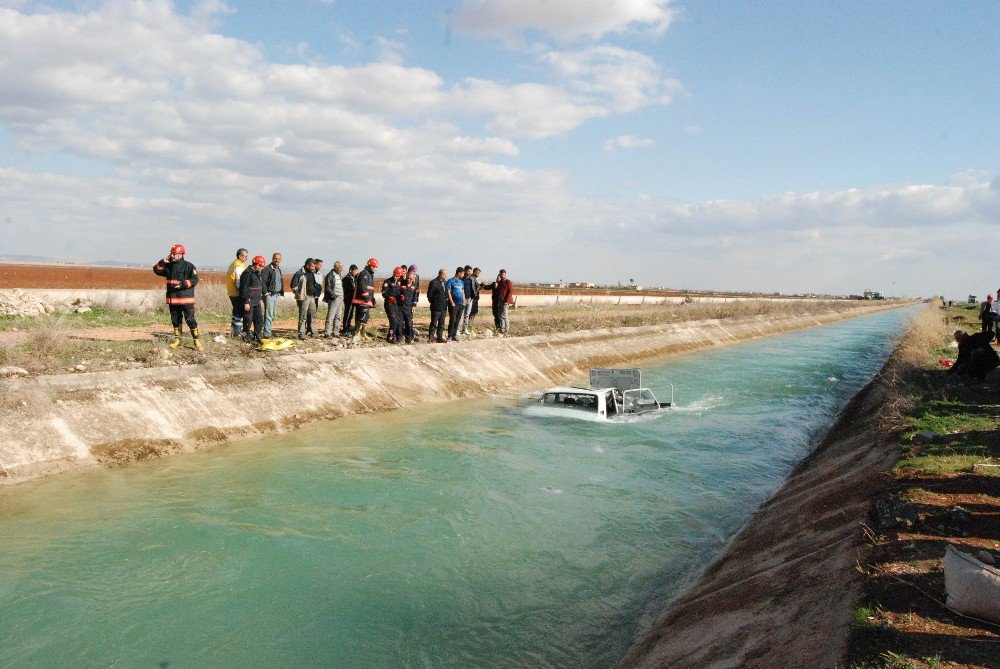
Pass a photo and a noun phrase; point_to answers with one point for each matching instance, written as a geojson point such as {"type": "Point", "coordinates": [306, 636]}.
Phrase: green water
{"type": "Point", "coordinates": [460, 535]}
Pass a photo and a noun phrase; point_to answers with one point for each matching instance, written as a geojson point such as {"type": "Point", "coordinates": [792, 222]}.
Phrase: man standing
{"type": "Point", "coordinates": [476, 288]}
{"type": "Point", "coordinates": [986, 314]}
{"type": "Point", "coordinates": [349, 285]}
{"type": "Point", "coordinates": [274, 288]}
{"type": "Point", "coordinates": [502, 296]}
{"type": "Point", "coordinates": [467, 282]}
{"type": "Point", "coordinates": [181, 277]}
{"type": "Point", "coordinates": [236, 269]}
{"type": "Point", "coordinates": [306, 289]}
{"type": "Point", "coordinates": [437, 296]}
{"type": "Point", "coordinates": [318, 277]}
{"type": "Point", "coordinates": [333, 295]}
{"type": "Point", "coordinates": [456, 301]}
{"type": "Point", "coordinates": [364, 298]}
{"type": "Point", "coordinates": [251, 294]}
{"type": "Point", "coordinates": [409, 296]}
{"type": "Point", "coordinates": [389, 301]}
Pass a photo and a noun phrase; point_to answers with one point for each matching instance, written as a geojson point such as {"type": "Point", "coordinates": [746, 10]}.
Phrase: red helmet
{"type": "Point", "coordinates": [259, 261]}
{"type": "Point", "coordinates": [373, 263]}
{"type": "Point", "coordinates": [398, 272]}
{"type": "Point", "coordinates": [177, 249]}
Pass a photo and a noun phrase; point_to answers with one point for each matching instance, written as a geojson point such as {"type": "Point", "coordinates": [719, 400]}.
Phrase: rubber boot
{"type": "Point", "coordinates": [177, 338]}
{"type": "Point", "coordinates": [197, 340]}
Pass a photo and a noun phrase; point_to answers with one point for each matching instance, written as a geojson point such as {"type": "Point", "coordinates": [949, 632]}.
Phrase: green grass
{"type": "Point", "coordinates": [864, 616]}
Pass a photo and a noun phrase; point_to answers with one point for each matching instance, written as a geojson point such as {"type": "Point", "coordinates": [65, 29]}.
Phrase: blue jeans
{"type": "Point", "coordinates": [270, 307]}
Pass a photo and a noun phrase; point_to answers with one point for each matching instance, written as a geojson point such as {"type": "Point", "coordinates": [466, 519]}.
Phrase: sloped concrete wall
{"type": "Point", "coordinates": [55, 423]}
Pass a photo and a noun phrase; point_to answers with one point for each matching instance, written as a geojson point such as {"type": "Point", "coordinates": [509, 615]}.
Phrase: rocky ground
{"type": "Point", "coordinates": [944, 490]}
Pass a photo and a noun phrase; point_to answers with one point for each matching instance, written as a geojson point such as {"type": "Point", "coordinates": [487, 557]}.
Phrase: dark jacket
{"type": "Point", "coordinates": [332, 285]}
{"type": "Point", "coordinates": [251, 287]}
{"type": "Point", "coordinates": [437, 295]}
{"type": "Point", "coordinates": [975, 355]}
{"type": "Point", "coordinates": [475, 289]}
{"type": "Point", "coordinates": [502, 292]}
{"type": "Point", "coordinates": [470, 290]}
{"type": "Point", "coordinates": [364, 290]}
{"type": "Point", "coordinates": [181, 277]}
{"type": "Point", "coordinates": [391, 292]}
{"type": "Point", "coordinates": [348, 284]}
{"type": "Point", "coordinates": [268, 276]}
{"type": "Point", "coordinates": [409, 294]}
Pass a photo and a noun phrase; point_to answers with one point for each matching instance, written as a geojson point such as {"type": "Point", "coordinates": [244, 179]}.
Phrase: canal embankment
{"type": "Point", "coordinates": [54, 423]}
{"type": "Point", "coordinates": [815, 578]}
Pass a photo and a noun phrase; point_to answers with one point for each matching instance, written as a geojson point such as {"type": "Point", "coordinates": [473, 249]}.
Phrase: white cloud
{"type": "Point", "coordinates": [201, 138]}
{"type": "Point", "coordinates": [627, 142]}
{"type": "Point", "coordinates": [563, 19]}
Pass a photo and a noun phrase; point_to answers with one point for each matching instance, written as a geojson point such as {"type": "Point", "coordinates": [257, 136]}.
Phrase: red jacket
{"type": "Point", "coordinates": [502, 291]}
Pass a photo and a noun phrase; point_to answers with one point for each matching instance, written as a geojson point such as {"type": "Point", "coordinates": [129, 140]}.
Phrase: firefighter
{"type": "Point", "coordinates": [364, 298]}
{"type": "Point", "coordinates": [251, 294]}
{"type": "Point", "coordinates": [410, 291]}
{"type": "Point", "coordinates": [393, 295]}
{"type": "Point", "coordinates": [390, 301]}
{"type": "Point", "coordinates": [181, 277]}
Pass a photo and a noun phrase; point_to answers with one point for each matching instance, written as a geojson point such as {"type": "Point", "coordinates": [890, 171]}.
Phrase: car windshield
{"type": "Point", "coordinates": [640, 400]}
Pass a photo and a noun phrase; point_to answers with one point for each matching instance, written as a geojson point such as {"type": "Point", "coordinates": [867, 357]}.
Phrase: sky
{"type": "Point", "coordinates": [791, 146]}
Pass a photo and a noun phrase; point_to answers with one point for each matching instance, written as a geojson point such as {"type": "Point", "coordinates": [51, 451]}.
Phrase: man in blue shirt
{"type": "Point", "coordinates": [455, 287]}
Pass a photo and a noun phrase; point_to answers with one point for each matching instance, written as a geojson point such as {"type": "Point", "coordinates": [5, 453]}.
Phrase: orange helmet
{"type": "Point", "coordinates": [177, 249]}
{"type": "Point", "coordinates": [259, 261]}
{"type": "Point", "coordinates": [373, 263]}
{"type": "Point", "coordinates": [398, 272]}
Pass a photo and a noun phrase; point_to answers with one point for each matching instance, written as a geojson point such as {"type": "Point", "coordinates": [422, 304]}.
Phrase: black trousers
{"type": "Point", "coordinates": [179, 312]}
{"type": "Point", "coordinates": [237, 320]}
{"type": "Point", "coordinates": [361, 315]}
{"type": "Point", "coordinates": [254, 317]}
{"type": "Point", "coordinates": [392, 311]}
{"type": "Point", "coordinates": [454, 320]}
{"type": "Point", "coordinates": [348, 315]}
{"type": "Point", "coordinates": [437, 323]}
{"type": "Point", "coordinates": [405, 322]}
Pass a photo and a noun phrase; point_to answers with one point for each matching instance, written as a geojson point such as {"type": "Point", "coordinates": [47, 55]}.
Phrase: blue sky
{"type": "Point", "coordinates": [789, 146]}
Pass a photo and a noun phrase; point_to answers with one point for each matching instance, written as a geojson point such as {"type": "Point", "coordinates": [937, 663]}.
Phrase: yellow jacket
{"type": "Point", "coordinates": [233, 277]}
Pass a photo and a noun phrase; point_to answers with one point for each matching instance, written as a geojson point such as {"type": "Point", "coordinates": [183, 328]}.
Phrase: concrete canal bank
{"type": "Point", "coordinates": [55, 423]}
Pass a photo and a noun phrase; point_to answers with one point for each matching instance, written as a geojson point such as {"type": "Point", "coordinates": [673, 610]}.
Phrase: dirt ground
{"type": "Point", "coordinates": [18, 275]}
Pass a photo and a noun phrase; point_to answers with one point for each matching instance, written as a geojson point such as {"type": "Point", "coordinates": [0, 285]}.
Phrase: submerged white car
{"type": "Point", "coordinates": [599, 403]}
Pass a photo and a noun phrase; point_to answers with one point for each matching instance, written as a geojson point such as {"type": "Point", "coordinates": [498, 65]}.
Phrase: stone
{"type": "Point", "coordinates": [927, 437]}
{"type": "Point", "coordinates": [13, 371]}
{"type": "Point", "coordinates": [986, 557]}
{"type": "Point", "coordinates": [893, 513]}
{"type": "Point", "coordinates": [82, 309]}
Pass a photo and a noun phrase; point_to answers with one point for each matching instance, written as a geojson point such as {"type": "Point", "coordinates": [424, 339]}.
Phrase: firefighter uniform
{"type": "Point", "coordinates": [181, 278]}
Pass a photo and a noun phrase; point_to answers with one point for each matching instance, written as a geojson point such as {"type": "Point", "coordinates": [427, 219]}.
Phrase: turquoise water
{"type": "Point", "coordinates": [460, 535]}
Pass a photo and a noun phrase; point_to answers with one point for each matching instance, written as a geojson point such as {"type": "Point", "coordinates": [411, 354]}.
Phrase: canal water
{"type": "Point", "coordinates": [457, 535]}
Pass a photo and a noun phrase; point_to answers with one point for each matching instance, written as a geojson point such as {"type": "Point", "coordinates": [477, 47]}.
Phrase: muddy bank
{"type": "Point", "coordinates": [54, 423]}
{"type": "Point", "coordinates": [781, 593]}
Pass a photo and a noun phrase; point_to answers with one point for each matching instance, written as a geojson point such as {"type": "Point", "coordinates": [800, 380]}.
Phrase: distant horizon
{"type": "Point", "coordinates": [328, 265]}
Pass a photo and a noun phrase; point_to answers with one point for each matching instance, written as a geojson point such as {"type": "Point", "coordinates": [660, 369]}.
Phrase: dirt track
{"type": "Point", "coordinates": [17, 275]}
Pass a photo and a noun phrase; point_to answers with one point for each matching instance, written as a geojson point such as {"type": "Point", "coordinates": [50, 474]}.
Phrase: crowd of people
{"type": "Point", "coordinates": [255, 290]}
